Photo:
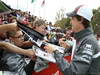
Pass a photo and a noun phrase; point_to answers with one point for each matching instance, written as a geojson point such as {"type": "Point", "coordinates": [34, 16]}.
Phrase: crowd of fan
{"type": "Point", "coordinates": [29, 19]}
{"type": "Point", "coordinates": [18, 38]}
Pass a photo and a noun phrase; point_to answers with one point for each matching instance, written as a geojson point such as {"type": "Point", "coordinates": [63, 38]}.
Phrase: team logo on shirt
{"type": "Point", "coordinates": [88, 46]}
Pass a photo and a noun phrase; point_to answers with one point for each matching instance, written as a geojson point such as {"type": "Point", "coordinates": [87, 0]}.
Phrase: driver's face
{"type": "Point", "coordinates": [75, 24]}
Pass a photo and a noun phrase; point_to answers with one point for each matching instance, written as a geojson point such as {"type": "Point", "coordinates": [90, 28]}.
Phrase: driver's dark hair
{"type": "Point", "coordinates": [85, 22]}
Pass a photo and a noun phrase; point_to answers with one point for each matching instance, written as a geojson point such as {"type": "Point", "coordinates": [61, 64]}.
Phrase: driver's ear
{"type": "Point", "coordinates": [81, 20]}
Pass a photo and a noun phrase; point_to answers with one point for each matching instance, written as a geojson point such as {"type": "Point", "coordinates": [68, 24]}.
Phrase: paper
{"type": "Point", "coordinates": [58, 48]}
{"type": "Point", "coordinates": [73, 47]}
{"type": "Point", "coordinates": [42, 54]}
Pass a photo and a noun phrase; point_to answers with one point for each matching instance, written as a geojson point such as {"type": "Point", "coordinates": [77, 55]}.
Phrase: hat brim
{"type": "Point", "coordinates": [71, 14]}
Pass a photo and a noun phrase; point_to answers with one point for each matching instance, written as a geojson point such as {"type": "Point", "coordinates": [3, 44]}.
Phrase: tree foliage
{"type": "Point", "coordinates": [96, 20]}
{"type": "Point", "coordinates": [63, 23]}
{"type": "Point", "coordinates": [60, 20]}
{"type": "Point", "coordinates": [60, 14]}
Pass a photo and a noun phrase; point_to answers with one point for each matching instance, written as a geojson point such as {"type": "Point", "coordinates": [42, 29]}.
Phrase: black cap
{"type": "Point", "coordinates": [73, 13]}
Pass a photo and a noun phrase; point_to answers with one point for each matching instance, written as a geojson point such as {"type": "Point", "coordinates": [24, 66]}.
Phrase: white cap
{"type": "Point", "coordinates": [83, 11]}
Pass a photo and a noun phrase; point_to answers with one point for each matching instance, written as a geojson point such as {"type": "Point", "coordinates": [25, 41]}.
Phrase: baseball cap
{"type": "Point", "coordinates": [83, 11]}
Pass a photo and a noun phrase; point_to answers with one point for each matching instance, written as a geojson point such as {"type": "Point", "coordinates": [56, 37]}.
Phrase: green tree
{"type": "Point", "coordinates": [60, 14]}
{"type": "Point", "coordinates": [63, 23]}
{"type": "Point", "coordinates": [96, 20]}
{"type": "Point", "coordinates": [60, 20]}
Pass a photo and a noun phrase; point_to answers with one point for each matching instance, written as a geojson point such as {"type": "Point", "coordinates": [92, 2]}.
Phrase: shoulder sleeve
{"type": "Point", "coordinates": [81, 61]}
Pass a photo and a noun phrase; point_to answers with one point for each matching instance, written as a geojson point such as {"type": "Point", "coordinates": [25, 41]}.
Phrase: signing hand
{"type": "Point", "coordinates": [63, 43]}
{"type": "Point", "coordinates": [49, 48]}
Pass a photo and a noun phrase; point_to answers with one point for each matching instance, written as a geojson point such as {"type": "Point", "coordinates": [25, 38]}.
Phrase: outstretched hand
{"type": "Point", "coordinates": [30, 53]}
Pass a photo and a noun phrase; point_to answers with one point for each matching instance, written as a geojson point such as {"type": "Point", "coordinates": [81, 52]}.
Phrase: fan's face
{"type": "Point", "coordinates": [41, 29]}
